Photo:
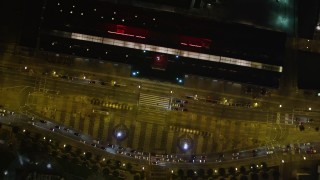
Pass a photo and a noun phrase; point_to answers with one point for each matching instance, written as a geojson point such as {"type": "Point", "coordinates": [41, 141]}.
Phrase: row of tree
{"type": "Point", "coordinates": [253, 173]}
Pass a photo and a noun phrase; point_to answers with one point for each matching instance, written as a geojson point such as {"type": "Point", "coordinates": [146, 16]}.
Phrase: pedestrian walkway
{"type": "Point", "coordinates": [152, 115]}
{"type": "Point", "coordinates": [149, 129]}
{"type": "Point", "coordinates": [154, 100]}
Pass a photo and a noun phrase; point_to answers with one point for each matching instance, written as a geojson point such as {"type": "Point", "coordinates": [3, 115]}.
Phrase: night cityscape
{"type": "Point", "coordinates": [160, 89]}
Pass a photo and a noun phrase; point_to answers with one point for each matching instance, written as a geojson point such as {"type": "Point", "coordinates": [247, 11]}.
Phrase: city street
{"type": "Point", "coordinates": [150, 124]}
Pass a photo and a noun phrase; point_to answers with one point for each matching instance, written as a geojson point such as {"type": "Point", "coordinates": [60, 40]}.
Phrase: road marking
{"type": "Point", "coordinates": [147, 136]}
{"type": "Point", "coordinates": [158, 137]}
{"type": "Point", "coordinates": [76, 121]}
{"type": "Point", "coordinates": [199, 144]}
{"type": "Point", "coordinates": [57, 116]}
{"type": "Point", "coordinates": [95, 127]}
{"type": "Point", "coordinates": [170, 136]}
{"type": "Point", "coordinates": [67, 119]}
{"type": "Point", "coordinates": [136, 135]}
{"type": "Point", "coordinates": [86, 127]}
{"type": "Point", "coordinates": [106, 121]}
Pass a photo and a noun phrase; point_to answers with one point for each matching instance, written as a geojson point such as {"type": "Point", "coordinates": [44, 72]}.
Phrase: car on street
{"type": "Point", "coordinates": [235, 155]}
{"type": "Point", "coordinates": [103, 148]}
{"type": "Point", "coordinates": [43, 121]}
{"type": "Point", "coordinates": [110, 146]}
{"type": "Point", "coordinates": [76, 134]}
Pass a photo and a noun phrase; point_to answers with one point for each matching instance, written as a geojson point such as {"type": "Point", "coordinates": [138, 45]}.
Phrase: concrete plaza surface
{"type": "Point", "coordinates": [212, 128]}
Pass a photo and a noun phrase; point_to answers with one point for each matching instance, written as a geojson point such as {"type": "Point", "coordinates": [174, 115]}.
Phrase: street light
{"type": "Point", "coordinates": [49, 166]}
{"type": "Point", "coordinates": [309, 108]}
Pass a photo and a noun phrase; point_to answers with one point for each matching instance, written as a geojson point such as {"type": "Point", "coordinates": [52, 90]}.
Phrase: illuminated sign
{"type": "Point", "coordinates": [194, 42]}
{"type": "Point", "coordinates": [126, 31]}
{"type": "Point", "coordinates": [160, 61]}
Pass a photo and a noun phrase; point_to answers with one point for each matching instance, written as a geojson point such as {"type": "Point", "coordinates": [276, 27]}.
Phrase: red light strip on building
{"type": "Point", "coordinates": [142, 37]}
{"type": "Point", "coordinates": [193, 45]}
{"type": "Point", "coordinates": [124, 34]}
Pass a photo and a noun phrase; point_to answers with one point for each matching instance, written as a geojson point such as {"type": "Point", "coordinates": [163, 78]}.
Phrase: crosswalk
{"type": "Point", "coordinates": [154, 101]}
{"type": "Point", "coordinates": [153, 108]}
{"type": "Point", "coordinates": [152, 135]}
{"type": "Point", "coordinates": [284, 118]}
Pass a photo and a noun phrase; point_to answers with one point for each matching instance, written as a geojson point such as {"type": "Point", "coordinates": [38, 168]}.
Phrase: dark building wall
{"type": "Point", "coordinates": [308, 14]}
{"type": "Point", "coordinates": [31, 22]}
{"type": "Point", "coordinates": [308, 70]}
{"type": "Point", "coordinates": [10, 16]}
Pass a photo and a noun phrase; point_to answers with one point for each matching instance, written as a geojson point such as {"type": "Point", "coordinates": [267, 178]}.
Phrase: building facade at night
{"type": "Point", "coordinates": [268, 43]}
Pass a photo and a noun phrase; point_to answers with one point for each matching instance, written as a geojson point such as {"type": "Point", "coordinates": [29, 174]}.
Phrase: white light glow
{"type": "Point", "coordinates": [166, 50]}
{"type": "Point", "coordinates": [49, 166]}
{"type": "Point", "coordinates": [119, 134]}
{"type": "Point", "coordinates": [185, 146]}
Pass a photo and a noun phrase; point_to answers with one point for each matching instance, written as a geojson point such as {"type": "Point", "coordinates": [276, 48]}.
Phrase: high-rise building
{"type": "Point", "coordinates": [271, 43]}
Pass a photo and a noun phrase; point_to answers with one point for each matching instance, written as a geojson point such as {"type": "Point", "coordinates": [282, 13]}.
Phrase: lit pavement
{"type": "Point", "coordinates": [212, 128]}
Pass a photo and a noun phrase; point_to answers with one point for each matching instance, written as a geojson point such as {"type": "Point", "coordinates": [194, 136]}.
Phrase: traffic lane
{"type": "Point", "coordinates": [55, 128]}
{"type": "Point", "coordinates": [79, 141]}
{"type": "Point", "coordinates": [50, 69]}
{"type": "Point", "coordinates": [259, 152]}
{"type": "Point", "coordinates": [227, 112]}
{"type": "Point", "coordinates": [43, 126]}
{"type": "Point", "coordinates": [49, 126]}
{"type": "Point", "coordinates": [265, 101]}
{"type": "Point", "coordinates": [98, 92]}
{"type": "Point", "coordinates": [87, 140]}
{"type": "Point", "coordinates": [66, 69]}
{"type": "Point", "coordinates": [10, 77]}
{"type": "Point", "coordinates": [234, 103]}
{"type": "Point", "coordinates": [92, 87]}
{"type": "Point", "coordinates": [68, 87]}
{"type": "Point", "coordinates": [17, 78]}
{"type": "Point", "coordinates": [232, 163]}
{"type": "Point", "coordinates": [155, 87]}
